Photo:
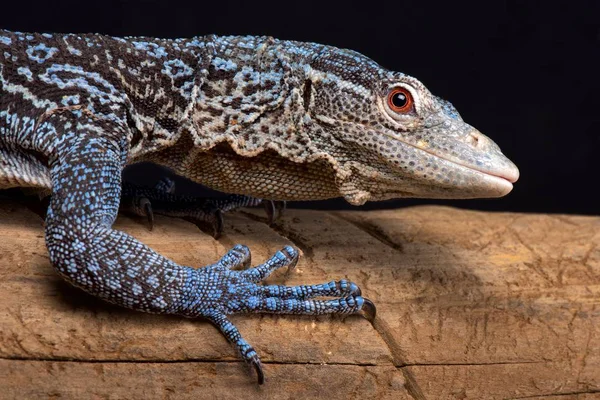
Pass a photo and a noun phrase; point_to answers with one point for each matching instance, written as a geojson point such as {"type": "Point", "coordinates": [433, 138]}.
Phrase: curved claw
{"type": "Point", "coordinates": [280, 206]}
{"type": "Point", "coordinates": [255, 361]}
{"type": "Point", "coordinates": [147, 207]}
{"type": "Point", "coordinates": [270, 211]}
{"type": "Point", "coordinates": [214, 220]}
{"type": "Point", "coordinates": [368, 310]}
{"type": "Point", "coordinates": [217, 224]}
{"type": "Point", "coordinates": [274, 210]}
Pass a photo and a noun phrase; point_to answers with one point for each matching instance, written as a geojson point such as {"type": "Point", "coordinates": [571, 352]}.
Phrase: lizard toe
{"type": "Point", "coordinates": [238, 256]}
{"type": "Point", "coordinates": [288, 256]}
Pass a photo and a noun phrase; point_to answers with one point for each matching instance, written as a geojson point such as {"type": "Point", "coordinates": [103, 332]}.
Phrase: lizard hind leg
{"type": "Point", "coordinates": [146, 202]}
{"type": "Point", "coordinates": [21, 169]}
{"type": "Point", "coordinates": [274, 209]}
{"type": "Point", "coordinates": [202, 212]}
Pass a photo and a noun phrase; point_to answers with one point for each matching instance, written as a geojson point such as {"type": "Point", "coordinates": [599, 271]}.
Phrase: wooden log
{"type": "Point", "coordinates": [470, 305]}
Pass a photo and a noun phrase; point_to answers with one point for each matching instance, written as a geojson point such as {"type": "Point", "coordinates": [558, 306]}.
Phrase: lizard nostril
{"type": "Point", "coordinates": [474, 139]}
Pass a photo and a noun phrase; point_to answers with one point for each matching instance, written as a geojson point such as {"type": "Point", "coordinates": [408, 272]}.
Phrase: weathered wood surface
{"type": "Point", "coordinates": [470, 305]}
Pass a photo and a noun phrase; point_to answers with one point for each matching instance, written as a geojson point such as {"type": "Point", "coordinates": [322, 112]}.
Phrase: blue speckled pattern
{"type": "Point", "coordinates": [58, 99]}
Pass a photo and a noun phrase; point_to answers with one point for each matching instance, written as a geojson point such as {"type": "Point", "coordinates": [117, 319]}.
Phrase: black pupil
{"type": "Point", "coordinates": [399, 99]}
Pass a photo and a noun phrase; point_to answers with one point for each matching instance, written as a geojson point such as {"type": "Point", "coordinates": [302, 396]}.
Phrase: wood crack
{"type": "Point", "coordinates": [538, 396]}
{"type": "Point", "coordinates": [185, 361]}
{"type": "Point", "coordinates": [476, 364]}
{"type": "Point", "coordinates": [288, 235]}
{"type": "Point", "coordinates": [398, 357]}
{"type": "Point", "coordinates": [372, 230]}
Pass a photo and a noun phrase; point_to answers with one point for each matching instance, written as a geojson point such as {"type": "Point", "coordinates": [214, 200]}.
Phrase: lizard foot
{"type": "Point", "coordinates": [203, 212]}
{"type": "Point", "coordinates": [226, 291]}
{"type": "Point", "coordinates": [146, 202]}
{"type": "Point", "coordinates": [273, 208]}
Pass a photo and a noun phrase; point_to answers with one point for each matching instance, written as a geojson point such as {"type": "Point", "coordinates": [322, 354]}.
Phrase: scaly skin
{"type": "Point", "coordinates": [255, 116]}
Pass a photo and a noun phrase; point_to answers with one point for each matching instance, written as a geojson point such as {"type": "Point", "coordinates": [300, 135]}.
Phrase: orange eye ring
{"type": "Point", "coordinates": [400, 100]}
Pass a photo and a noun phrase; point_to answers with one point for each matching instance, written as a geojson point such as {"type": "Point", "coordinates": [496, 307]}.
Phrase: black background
{"type": "Point", "coordinates": [524, 73]}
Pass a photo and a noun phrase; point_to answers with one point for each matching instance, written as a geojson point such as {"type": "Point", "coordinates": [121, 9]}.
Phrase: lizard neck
{"type": "Point", "coordinates": [252, 97]}
{"type": "Point", "coordinates": [241, 90]}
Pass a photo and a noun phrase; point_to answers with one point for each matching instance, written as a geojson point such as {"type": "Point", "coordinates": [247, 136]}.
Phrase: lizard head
{"type": "Point", "coordinates": [390, 137]}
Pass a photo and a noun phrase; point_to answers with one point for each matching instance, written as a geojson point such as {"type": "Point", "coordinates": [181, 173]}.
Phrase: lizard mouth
{"type": "Point", "coordinates": [503, 184]}
{"type": "Point", "coordinates": [449, 180]}
{"type": "Point", "coordinates": [495, 178]}
{"type": "Point", "coordinates": [504, 173]}
{"type": "Point", "coordinates": [501, 178]}
{"type": "Point", "coordinates": [508, 171]}
{"type": "Point", "coordinates": [509, 174]}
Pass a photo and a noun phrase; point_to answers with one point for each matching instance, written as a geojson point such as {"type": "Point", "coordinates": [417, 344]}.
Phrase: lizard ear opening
{"type": "Point", "coordinates": [306, 93]}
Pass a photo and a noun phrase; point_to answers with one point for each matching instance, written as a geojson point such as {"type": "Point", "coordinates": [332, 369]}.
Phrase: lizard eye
{"type": "Point", "coordinates": [400, 100]}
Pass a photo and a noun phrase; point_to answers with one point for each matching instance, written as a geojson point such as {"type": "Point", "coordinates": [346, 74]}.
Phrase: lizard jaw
{"type": "Point", "coordinates": [505, 174]}
{"type": "Point", "coordinates": [497, 173]}
{"type": "Point", "coordinates": [500, 167]}
{"type": "Point", "coordinates": [503, 184]}
{"type": "Point", "coordinates": [458, 180]}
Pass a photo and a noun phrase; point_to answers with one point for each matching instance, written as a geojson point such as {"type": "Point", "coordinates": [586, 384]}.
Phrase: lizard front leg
{"type": "Point", "coordinates": [85, 250]}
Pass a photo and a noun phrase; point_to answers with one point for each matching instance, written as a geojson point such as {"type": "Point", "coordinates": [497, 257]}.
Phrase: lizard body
{"type": "Point", "coordinates": [257, 116]}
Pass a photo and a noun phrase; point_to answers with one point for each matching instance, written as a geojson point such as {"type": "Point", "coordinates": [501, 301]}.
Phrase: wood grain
{"type": "Point", "coordinates": [471, 305]}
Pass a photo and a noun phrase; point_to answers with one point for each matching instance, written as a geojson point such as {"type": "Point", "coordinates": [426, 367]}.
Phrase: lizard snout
{"type": "Point", "coordinates": [502, 167]}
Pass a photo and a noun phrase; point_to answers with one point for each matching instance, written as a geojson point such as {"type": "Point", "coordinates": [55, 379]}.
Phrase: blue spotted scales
{"type": "Point", "coordinates": [255, 117]}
